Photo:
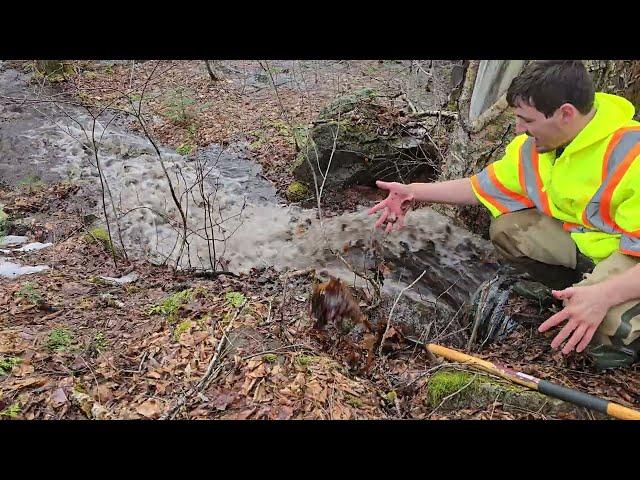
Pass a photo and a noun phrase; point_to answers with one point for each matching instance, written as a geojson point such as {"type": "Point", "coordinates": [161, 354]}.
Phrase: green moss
{"type": "Point", "coordinates": [170, 306]}
{"type": "Point", "coordinates": [447, 382]}
{"type": "Point", "coordinates": [347, 102]}
{"type": "Point", "coordinates": [59, 340]}
{"type": "Point", "coordinates": [353, 401]}
{"type": "Point", "coordinates": [29, 292]}
{"type": "Point", "coordinates": [297, 192]}
{"type": "Point", "coordinates": [390, 397]}
{"type": "Point", "coordinates": [184, 149]}
{"type": "Point", "coordinates": [180, 329]}
{"type": "Point", "coordinates": [6, 364]}
{"type": "Point", "coordinates": [270, 357]}
{"type": "Point", "coordinates": [299, 160]}
{"type": "Point", "coordinates": [53, 70]}
{"type": "Point", "coordinates": [4, 222]}
{"type": "Point", "coordinates": [31, 183]}
{"type": "Point", "coordinates": [260, 139]}
{"type": "Point", "coordinates": [192, 129]}
{"type": "Point", "coordinates": [100, 235]}
{"type": "Point", "coordinates": [77, 387]}
{"type": "Point", "coordinates": [305, 360]}
{"type": "Point", "coordinates": [235, 298]}
{"type": "Point", "coordinates": [100, 342]}
{"type": "Point", "coordinates": [11, 411]}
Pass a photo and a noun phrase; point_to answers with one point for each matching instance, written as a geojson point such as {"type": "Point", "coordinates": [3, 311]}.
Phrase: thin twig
{"type": "Point", "coordinates": [384, 335]}
{"type": "Point", "coordinates": [279, 350]}
{"type": "Point", "coordinates": [453, 394]}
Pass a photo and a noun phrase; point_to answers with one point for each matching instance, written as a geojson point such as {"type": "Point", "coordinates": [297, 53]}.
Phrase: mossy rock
{"type": "Point", "coordinates": [347, 103]}
{"type": "Point", "coordinates": [4, 222]}
{"type": "Point", "coordinates": [468, 389]}
{"type": "Point", "coordinates": [461, 384]}
{"type": "Point", "coordinates": [359, 140]}
{"type": "Point", "coordinates": [297, 192]}
{"type": "Point", "coordinates": [100, 235]}
{"type": "Point", "coordinates": [54, 70]}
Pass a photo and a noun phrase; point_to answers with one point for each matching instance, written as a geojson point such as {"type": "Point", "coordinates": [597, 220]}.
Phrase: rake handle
{"type": "Point", "coordinates": [547, 388]}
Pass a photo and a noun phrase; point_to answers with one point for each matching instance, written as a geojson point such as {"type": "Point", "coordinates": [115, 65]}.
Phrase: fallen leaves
{"type": "Point", "coordinates": [151, 408]}
{"type": "Point", "coordinates": [58, 398]}
{"type": "Point", "coordinates": [145, 367]}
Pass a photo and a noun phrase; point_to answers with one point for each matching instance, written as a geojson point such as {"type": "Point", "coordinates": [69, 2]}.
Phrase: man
{"type": "Point", "coordinates": [565, 199]}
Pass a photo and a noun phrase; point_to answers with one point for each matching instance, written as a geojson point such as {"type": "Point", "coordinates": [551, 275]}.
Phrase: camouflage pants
{"type": "Point", "coordinates": [538, 245]}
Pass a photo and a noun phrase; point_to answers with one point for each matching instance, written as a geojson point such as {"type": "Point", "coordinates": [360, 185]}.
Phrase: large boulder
{"type": "Point", "coordinates": [363, 137]}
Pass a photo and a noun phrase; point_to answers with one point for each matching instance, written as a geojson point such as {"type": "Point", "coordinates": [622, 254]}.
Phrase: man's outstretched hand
{"type": "Point", "coordinates": [394, 207]}
{"type": "Point", "coordinates": [584, 310]}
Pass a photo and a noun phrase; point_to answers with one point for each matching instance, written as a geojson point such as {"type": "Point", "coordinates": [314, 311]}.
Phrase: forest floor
{"type": "Point", "coordinates": [172, 344]}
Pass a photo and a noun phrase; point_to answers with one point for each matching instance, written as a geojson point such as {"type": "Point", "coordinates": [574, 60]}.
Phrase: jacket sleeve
{"type": "Point", "coordinates": [500, 186]}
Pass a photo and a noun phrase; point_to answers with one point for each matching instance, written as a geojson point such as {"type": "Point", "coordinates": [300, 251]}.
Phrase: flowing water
{"type": "Point", "coordinates": [54, 142]}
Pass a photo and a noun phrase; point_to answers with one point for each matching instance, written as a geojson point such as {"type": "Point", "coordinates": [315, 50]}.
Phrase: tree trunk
{"type": "Point", "coordinates": [486, 127]}
{"type": "Point", "coordinates": [620, 77]}
{"type": "Point", "coordinates": [53, 67]}
{"type": "Point", "coordinates": [212, 76]}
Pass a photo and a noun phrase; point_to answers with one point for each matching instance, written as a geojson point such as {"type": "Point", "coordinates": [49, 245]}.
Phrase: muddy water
{"type": "Point", "coordinates": [261, 229]}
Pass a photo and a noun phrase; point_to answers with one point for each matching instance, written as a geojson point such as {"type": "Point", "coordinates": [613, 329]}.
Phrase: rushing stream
{"type": "Point", "coordinates": [54, 143]}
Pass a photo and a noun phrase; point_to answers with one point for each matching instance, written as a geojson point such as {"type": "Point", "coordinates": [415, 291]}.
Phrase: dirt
{"type": "Point", "coordinates": [76, 347]}
{"type": "Point", "coordinates": [179, 345]}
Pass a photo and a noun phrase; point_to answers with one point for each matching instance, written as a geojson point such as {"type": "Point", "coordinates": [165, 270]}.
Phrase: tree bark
{"type": "Point", "coordinates": [620, 77]}
{"type": "Point", "coordinates": [212, 75]}
{"type": "Point", "coordinates": [52, 67]}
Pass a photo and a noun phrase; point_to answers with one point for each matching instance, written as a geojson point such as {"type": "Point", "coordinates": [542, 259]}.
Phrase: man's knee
{"type": "Point", "coordinates": [507, 230]}
{"type": "Point", "coordinates": [530, 234]}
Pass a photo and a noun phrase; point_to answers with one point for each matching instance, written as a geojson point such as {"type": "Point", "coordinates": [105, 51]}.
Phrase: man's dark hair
{"type": "Point", "coordinates": [546, 85]}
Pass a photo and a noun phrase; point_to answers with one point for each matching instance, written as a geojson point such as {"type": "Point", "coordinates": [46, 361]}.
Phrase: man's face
{"type": "Point", "coordinates": [548, 133]}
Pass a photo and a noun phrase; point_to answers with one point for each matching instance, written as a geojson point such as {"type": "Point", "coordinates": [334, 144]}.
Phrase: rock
{"type": "Point", "coordinates": [30, 247]}
{"type": "Point", "coordinates": [374, 141]}
{"type": "Point", "coordinates": [130, 278]}
{"type": "Point", "coordinates": [12, 241]}
{"type": "Point", "coordinates": [467, 389]}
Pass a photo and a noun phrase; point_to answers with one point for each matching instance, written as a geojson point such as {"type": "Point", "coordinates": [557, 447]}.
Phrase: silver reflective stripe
{"type": "Point", "coordinates": [488, 186]}
{"type": "Point", "coordinates": [530, 175]}
{"type": "Point", "coordinates": [630, 243]}
{"type": "Point", "coordinates": [620, 151]}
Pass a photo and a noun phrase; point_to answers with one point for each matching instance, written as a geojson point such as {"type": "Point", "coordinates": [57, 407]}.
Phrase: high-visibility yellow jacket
{"type": "Point", "coordinates": [593, 186]}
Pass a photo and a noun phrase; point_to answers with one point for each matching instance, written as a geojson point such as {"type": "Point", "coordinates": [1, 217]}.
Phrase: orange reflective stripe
{"type": "Point", "coordinates": [568, 226]}
{"type": "Point", "coordinates": [613, 144]}
{"type": "Point", "coordinates": [605, 204]}
{"type": "Point", "coordinates": [515, 196]}
{"type": "Point", "coordinates": [629, 252]}
{"type": "Point", "coordinates": [543, 195]}
{"type": "Point", "coordinates": [634, 233]}
{"type": "Point", "coordinates": [499, 206]}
